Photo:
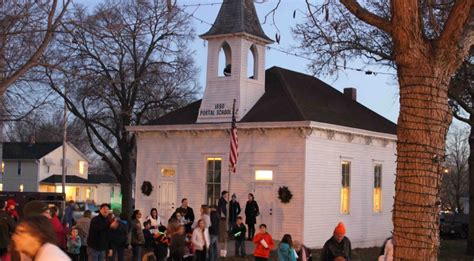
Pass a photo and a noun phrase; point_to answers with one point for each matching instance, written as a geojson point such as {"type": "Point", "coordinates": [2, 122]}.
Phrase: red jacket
{"type": "Point", "coordinates": [60, 230]}
{"type": "Point", "coordinates": [260, 250]}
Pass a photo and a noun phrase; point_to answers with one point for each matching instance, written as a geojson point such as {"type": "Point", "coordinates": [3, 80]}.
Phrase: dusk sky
{"type": "Point", "coordinates": [377, 92]}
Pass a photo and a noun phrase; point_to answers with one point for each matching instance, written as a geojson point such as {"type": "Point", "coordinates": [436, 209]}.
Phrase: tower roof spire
{"type": "Point", "coordinates": [237, 16]}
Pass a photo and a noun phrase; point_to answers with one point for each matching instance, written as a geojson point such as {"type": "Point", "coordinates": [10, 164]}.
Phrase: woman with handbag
{"type": "Point", "coordinates": [251, 213]}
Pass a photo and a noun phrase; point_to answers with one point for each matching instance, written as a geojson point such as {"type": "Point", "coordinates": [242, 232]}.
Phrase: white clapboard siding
{"type": "Point", "coordinates": [322, 189]}
{"type": "Point", "coordinates": [281, 151]}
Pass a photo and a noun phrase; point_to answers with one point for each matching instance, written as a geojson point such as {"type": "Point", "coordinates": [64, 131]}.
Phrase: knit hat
{"type": "Point", "coordinates": [34, 208]}
{"type": "Point", "coordinates": [340, 229]}
{"type": "Point", "coordinates": [11, 202]}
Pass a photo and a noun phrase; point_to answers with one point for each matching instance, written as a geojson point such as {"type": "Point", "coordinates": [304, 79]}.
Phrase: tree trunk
{"type": "Point", "coordinates": [470, 239]}
{"type": "Point", "coordinates": [126, 185]}
{"type": "Point", "coordinates": [422, 128]}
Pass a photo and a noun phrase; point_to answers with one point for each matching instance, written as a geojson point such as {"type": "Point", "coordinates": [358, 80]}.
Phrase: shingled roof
{"type": "Point", "coordinates": [293, 96]}
{"type": "Point", "coordinates": [237, 16]}
{"type": "Point", "coordinates": [91, 179]}
{"type": "Point", "coordinates": [28, 151]}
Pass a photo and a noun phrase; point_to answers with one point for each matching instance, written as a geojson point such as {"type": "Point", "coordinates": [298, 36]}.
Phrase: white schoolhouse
{"type": "Point", "coordinates": [336, 156]}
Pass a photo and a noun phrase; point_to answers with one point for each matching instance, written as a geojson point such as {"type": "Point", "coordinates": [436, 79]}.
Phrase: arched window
{"type": "Point", "coordinates": [252, 62]}
{"type": "Point", "coordinates": [225, 60]}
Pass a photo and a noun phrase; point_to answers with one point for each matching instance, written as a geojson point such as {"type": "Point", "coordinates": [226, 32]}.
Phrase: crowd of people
{"type": "Point", "coordinates": [41, 235]}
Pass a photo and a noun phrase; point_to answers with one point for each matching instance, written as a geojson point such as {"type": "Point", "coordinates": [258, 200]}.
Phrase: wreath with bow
{"type": "Point", "coordinates": [147, 188]}
{"type": "Point", "coordinates": [284, 194]}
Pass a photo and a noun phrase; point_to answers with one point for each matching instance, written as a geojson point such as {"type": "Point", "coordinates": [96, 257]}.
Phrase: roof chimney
{"type": "Point", "coordinates": [351, 93]}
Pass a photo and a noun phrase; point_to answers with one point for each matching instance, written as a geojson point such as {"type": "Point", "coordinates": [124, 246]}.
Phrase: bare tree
{"type": "Point", "coordinates": [123, 63]}
{"type": "Point", "coordinates": [44, 126]}
{"type": "Point", "coordinates": [425, 41]}
{"type": "Point", "coordinates": [456, 177]}
{"type": "Point", "coordinates": [26, 29]}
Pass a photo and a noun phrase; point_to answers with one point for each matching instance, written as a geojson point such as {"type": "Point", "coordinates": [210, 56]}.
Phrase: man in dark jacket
{"type": "Point", "coordinates": [222, 210]}
{"type": "Point", "coordinates": [119, 238]}
{"type": "Point", "coordinates": [7, 227]}
{"type": "Point", "coordinates": [214, 234]}
{"type": "Point", "coordinates": [234, 211]}
{"type": "Point", "coordinates": [337, 246]}
{"type": "Point", "coordinates": [188, 214]}
{"type": "Point", "coordinates": [98, 240]}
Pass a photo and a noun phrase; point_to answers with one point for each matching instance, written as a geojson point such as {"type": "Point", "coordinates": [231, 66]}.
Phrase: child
{"type": "Point", "coordinates": [74, 244]}
{"type": "Point", "coordinates": [161, 244]}
{"type": "Point", "coordinates": [285, 249]}
{"type": "Point", "coordinates": [263, 244]}
{"type": "Point", "coordinates": [148, 236]}
{"type": "Point", "coordinates": [239, 234]}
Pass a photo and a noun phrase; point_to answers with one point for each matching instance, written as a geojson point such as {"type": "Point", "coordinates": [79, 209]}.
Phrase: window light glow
{"type": "Point", "coordinates": [263, 175]}
{"type": "Point", "coordinates": [82, 167]}
{"type": "Point", "coordinates": [21, 187]}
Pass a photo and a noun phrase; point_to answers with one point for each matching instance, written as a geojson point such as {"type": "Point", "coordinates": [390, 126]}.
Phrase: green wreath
{"type": "Point", "coordinates": [284, 194]}
{"type": "Point", "coordinates": [147, 188]}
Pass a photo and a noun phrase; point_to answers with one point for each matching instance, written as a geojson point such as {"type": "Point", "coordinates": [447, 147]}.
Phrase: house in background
{"type": "Point", "coordinates": [37, 167]}
{"type": "Point", "coordinates": [335, 155]}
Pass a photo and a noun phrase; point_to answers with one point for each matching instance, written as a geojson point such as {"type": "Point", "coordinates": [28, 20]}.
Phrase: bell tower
{"type": "Point", "coordinates": [235, 62]}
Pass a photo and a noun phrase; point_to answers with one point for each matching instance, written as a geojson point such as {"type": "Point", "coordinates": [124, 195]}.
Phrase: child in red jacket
{"type": "Point", "coordinates": [263, 243]}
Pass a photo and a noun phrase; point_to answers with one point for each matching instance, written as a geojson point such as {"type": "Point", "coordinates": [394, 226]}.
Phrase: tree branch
{"type": "Point", "coordinates": [459, 17]}
{"type": "Point", "coordinates": [365, 15]}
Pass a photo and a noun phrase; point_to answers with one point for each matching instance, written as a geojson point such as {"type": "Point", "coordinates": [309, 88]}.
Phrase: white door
{"type": "Point", "coordinates": [264, 197]}
{"type": "Point", "coordinates": [167, 200]}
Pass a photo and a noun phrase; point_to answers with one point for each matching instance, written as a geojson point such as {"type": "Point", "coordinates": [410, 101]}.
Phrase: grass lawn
{"type": "Point", "coordinates": [452, 250]}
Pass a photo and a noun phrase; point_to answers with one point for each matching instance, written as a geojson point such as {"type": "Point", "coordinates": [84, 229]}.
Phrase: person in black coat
{"type": "Point", "coordinates": [214, 234]}
{"type": "Point", "coordinates": [251, 213]}
{"type": "Point", "coordinates": [222, 210]}
{"type": "Point", "coordinates": [188, 214]}
{"type": "Point", "coordinates": [234, 211]}
{"type": "Point", "coordinates": [119, 239]}
{"type": "Point", "coordinates": [98, 240]}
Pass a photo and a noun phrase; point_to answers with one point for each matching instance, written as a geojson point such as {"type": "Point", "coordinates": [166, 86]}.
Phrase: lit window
{"type": "Point", "coordinates": [168, 172]}
{"type": "Point", "coordinates": [213, 180]}
{"type": "Point", "coordinates": [82, 167]}
{"type": "Point", "coordinates": [88, 193]}
{"type": "Point", "coordinates": [1, 186]}
{"type": "Point", "coordinates": [21, 187]}
{"type": "Point", "coordinates": [345, 188]}
{"type": "Point", "coordinates": [3, 167]}
{"type": "Point", "coordinates": [264, 175]}
{"type": "Point", "coordinates": [378, 188]}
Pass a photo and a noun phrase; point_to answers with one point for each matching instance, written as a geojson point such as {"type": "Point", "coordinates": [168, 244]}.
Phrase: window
{"type": "Point", "coordinates": [345, 186]}
{"type": "Point", "coordinates": [3, 168]}
{"type": "Point", "coordinates": [82, 167]}
{"type": "Point", "coordinates": [78, 192]}
{"type": "Point", "coordinates": [378, 188]}
{"type": "Point", "coordinates": [19, 168]}
{"type": "Point", "coordinates": [88, 193]}
{"type": "Point", "coordinates": [1, 186]}
{"type": "Point", "coordinates": [252, 63]}
{"type": "Point", "coordinates": [21, 188]}
{"type": "Point", "coordinates": [213, 180]}
{"type": "Point", "coordinates": [112, 192]}
{"type": "Point", "coordinates": [168, 172]}
{"type": "Point", "coordinates": [264, 175]}
{"type": "Point", "coordinates": [225, 60]}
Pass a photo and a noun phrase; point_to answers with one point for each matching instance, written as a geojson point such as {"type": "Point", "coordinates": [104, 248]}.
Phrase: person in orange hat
{"type": "Point", "coordinates": [337, 246]}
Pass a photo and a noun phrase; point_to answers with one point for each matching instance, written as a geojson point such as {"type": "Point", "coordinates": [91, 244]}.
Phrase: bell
{"type": "Point", "coordinates": [227, 70]}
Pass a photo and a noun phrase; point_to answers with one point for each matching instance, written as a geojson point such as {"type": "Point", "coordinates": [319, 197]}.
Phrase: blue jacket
{"type": "Point", "coordinates": [286, 253]}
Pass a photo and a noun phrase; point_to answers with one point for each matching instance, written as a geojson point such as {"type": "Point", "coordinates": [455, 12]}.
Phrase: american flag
{"type": "Point", "coordinates": [234, 144]}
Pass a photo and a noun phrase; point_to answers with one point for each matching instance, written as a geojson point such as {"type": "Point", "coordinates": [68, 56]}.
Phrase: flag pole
{"type": "Point", "coordinates": [227, 218]}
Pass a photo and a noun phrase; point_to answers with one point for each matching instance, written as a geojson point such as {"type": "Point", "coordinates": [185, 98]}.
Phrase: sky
{"type": "Point", "coordinates": [377, 92]}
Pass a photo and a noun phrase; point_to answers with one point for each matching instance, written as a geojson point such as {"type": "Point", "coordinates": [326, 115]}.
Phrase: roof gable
{"type": "Point", "coordinates": [28, 151]}
{"type": "Point", "coordinates": [237, 16]}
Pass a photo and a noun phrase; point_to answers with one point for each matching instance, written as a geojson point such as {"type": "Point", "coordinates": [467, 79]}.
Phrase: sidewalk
{"type": "Point", "coordinates": [249, 247]}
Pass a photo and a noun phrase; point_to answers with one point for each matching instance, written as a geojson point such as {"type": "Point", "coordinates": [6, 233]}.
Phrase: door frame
{"type": "Point", "coordinates": [160, 178]}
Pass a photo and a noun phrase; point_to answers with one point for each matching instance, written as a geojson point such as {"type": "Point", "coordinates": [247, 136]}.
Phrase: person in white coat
{"type": "Point", "coordinates": [201, 240]}
{"type": "Point", "coordinates": [34, 237]}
